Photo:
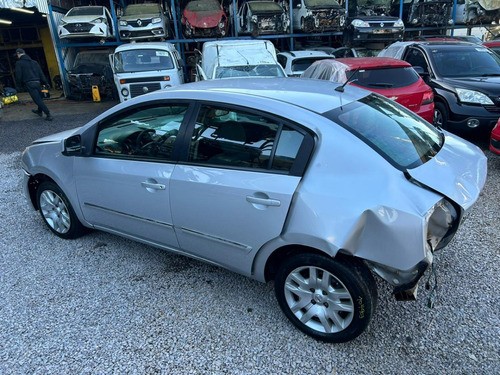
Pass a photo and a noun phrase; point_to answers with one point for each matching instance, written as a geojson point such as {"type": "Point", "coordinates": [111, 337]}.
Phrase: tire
{"type": "Point", "coordinates": [334, 309]}
{"type": "Point", "coordinates": [440, 115]}
{"type": "Point", "coordinates": [57, 212]}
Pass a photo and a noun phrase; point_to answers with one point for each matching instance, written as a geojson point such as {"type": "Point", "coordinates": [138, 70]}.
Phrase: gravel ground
{"type": "Point", "coordinates": [102, 304]}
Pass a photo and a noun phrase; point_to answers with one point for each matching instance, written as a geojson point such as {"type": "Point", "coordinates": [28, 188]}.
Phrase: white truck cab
{"type": "Point", "coordinates": [139, 68]}
{"type": "Point", "coordinates": [238, 59]}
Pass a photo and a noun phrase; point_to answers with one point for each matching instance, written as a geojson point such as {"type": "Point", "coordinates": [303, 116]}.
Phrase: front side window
{"type": "Point", "coordinates": [399, 135]}
{"type": "Point", "coordinates": [147, 133]}
{"type": "Point", "coordinates": [241, 139]}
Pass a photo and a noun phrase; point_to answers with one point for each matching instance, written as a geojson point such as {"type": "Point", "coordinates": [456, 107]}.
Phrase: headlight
{"type": "Point", "coordinates": [399, 23]}
{"type": "Point", "coordinates": [123, 23]}
{"type": "Point", "coordinates": [97, 20]}
{"type": "Point", "coordinates": [222, 25]}
{"type": "Point", "coordinates": [124, 92]}
{"type": "Point", "coordinates": [360, 23]}
{"type": "Point", "coordinates": [254, 18]}
{"type": "Point", "coordinates": [470, 96]}
{"type": "Point", "coordinates": [62, 23]}
{"type": "Point", "coordinates": [441, 224]}
{"type": "Point", "coordinates": [156, 20]}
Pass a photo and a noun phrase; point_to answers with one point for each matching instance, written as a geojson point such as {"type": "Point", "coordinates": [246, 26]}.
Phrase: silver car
{"type": "Point", "coordinates": [310, 184]}
{"type": "Point", "coordinates": [144, 21]}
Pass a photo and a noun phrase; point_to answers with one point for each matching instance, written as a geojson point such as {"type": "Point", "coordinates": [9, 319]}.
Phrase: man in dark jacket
{"type": "Point", "coordinates": [30, 75]}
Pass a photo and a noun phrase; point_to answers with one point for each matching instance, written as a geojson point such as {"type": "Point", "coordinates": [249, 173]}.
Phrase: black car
{"type": "Point", "coordinates": [465, 78]}
{"type": "Point", "coordinates": [369, 21]}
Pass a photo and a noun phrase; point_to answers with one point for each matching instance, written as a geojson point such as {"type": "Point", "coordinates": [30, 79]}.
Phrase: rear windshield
{"type": "Point", "coordinates": [385, 78]}
{"type": "Point", "coordinates": [397, 134]}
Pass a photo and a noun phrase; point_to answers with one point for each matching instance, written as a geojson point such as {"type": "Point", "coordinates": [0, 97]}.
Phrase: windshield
{"type": "Point", "coordinates": [138, 9]}
{"type": "Point", "coordinates": [397, 134]}
{"type": "Point", "coordinates": [264, 6]}
{"type": "Point", "coordinates": [268, 70]}
{"type": "Point", "coordinates": [89, 57]}
{"type": "Point", "coordinates": [203, 6]}
{"type": "Point", "coordinates": [85, 11]}
{"type": "Point", "coordinates": [466, 62]}
{"type": "Point", "coordinates": [380, 3]}
{"type": "Point", "coordinates": [141, 60]}
{"type": "Point", "coordinates": [321, 3]}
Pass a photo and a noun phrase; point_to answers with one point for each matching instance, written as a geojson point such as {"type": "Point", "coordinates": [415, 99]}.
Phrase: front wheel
{"type": "Point", "coordinates": [57, 213]}
{"type": "Point", "coordinates": [329, 299]}
{"type": "Point", "coordinates": [440, 115]}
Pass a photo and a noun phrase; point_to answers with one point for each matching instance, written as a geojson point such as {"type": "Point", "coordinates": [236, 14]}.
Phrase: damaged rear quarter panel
{"type": "Point", "coordinates": [351, 199]}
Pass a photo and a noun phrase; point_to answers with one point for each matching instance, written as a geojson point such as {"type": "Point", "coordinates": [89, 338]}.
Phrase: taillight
{"type": "Point", "coordinates": [428, 97]}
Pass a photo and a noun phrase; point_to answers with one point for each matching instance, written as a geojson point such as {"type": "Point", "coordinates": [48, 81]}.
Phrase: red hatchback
{"type": "Point", "coordinates": [392, 78]}
{"type": "Point", "coordinates": [204, 18]}
{"type": "Point", "coordinates": [495, 139]}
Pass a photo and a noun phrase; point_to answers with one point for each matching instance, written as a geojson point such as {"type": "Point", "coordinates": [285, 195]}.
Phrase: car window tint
{"type": "Point", "coordinates": [385, 77]}
{"type": "Point", "coordinates": [241, 139]}
{"type": "Point", "coordinates": [416, 58]}
{"type": "Point", "coordinates": [464, 62]}
{"type": "Point", "coordinates": [145, 133]}
{"type": "Point", "coordinates": [399, 135]}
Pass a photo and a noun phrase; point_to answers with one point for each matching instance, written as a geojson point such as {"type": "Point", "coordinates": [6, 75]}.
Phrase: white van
{"type": "Point", "coordinates": [139, 68]}
{"type": "Point", "coordinates": [238, 59]}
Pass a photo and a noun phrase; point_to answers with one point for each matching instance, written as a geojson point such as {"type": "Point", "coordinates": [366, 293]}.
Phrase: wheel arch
{"type": "Point", "coordinates": [33, 183]}
{"type": "Point", "coordinates": [276, 258]}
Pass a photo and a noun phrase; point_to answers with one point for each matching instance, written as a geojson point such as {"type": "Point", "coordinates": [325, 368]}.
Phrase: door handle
{"type": "Point", "coordinates": [263, 201]}
{"type": "Point", "coordinates": [151, 185]}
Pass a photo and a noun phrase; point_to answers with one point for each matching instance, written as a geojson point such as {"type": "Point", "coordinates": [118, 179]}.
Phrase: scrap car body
{"type": "Point", "coordinates": [262, 17]}
{"type": "Point", "coordinates": [425, 13]}
{"type": "Point", "coordinates": [316, 15]}
{"type": "Point", "coordinates": [204, 18]}
{"type": "Point", "coordinates": [477, 12]}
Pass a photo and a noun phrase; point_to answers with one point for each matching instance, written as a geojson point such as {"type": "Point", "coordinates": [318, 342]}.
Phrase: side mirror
{"type": "Point", "coordinates": [73, 146]}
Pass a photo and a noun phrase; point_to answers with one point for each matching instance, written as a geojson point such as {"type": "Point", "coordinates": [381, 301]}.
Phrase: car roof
{"type": "Point", "coordinates": [315, 95]}
{"type": "Point", "coordinates": [370, 62]}
{"type": "Point", "coordinates": [304, 53]}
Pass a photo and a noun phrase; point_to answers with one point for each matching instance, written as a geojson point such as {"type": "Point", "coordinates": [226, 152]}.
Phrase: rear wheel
{"type": "Point", "coordinates": [440, 115]}
{"type": "Point", "coordinates": [329, 299]}
{"type": "Point", "coordinates": [57, 213]}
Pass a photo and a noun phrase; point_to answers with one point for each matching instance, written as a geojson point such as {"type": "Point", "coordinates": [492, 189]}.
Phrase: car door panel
{"type": "Point", "coordinates": [226, 215]}
{"type": "Point", "coordinates": [127, 197]}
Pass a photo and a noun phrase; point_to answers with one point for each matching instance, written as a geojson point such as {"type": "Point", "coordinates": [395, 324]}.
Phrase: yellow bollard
{"type": "Point", "coordinates": [95, 93]}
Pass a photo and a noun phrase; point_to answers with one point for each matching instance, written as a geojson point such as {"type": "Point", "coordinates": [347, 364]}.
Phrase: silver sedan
{"type": "Point", "coordinates": [316, 186]}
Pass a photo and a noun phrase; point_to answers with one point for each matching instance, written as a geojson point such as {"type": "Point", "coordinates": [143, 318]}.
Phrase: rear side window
{"type": "Point", "coordinates": [235, 138]}
{"type": "Point", "coordinates": [385, 78]}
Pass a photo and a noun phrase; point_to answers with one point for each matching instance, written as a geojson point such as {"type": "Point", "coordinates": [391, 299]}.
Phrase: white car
{"type": "Point", "coordinates": [295, 62]}
{"type": "Point", "coordinates": [86, 22]}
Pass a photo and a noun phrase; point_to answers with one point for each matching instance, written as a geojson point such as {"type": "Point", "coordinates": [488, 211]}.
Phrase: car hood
{"type": "Point", "coordinates": [489, 85]}
{"type": "Point", "coordinates": [57, 137]}
{"type": "Point", "coordinates": [458, 171]}
{"type": "Point", "coordinates": [140, 16]}
{"type": "Point", "coordinates": [83, 19]}
{"type": "Point", "coordinates": [203, 19]}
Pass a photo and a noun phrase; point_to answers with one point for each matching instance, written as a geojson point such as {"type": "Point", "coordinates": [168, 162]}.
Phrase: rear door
{"type": "Point", "coordinates": [233, 192]}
